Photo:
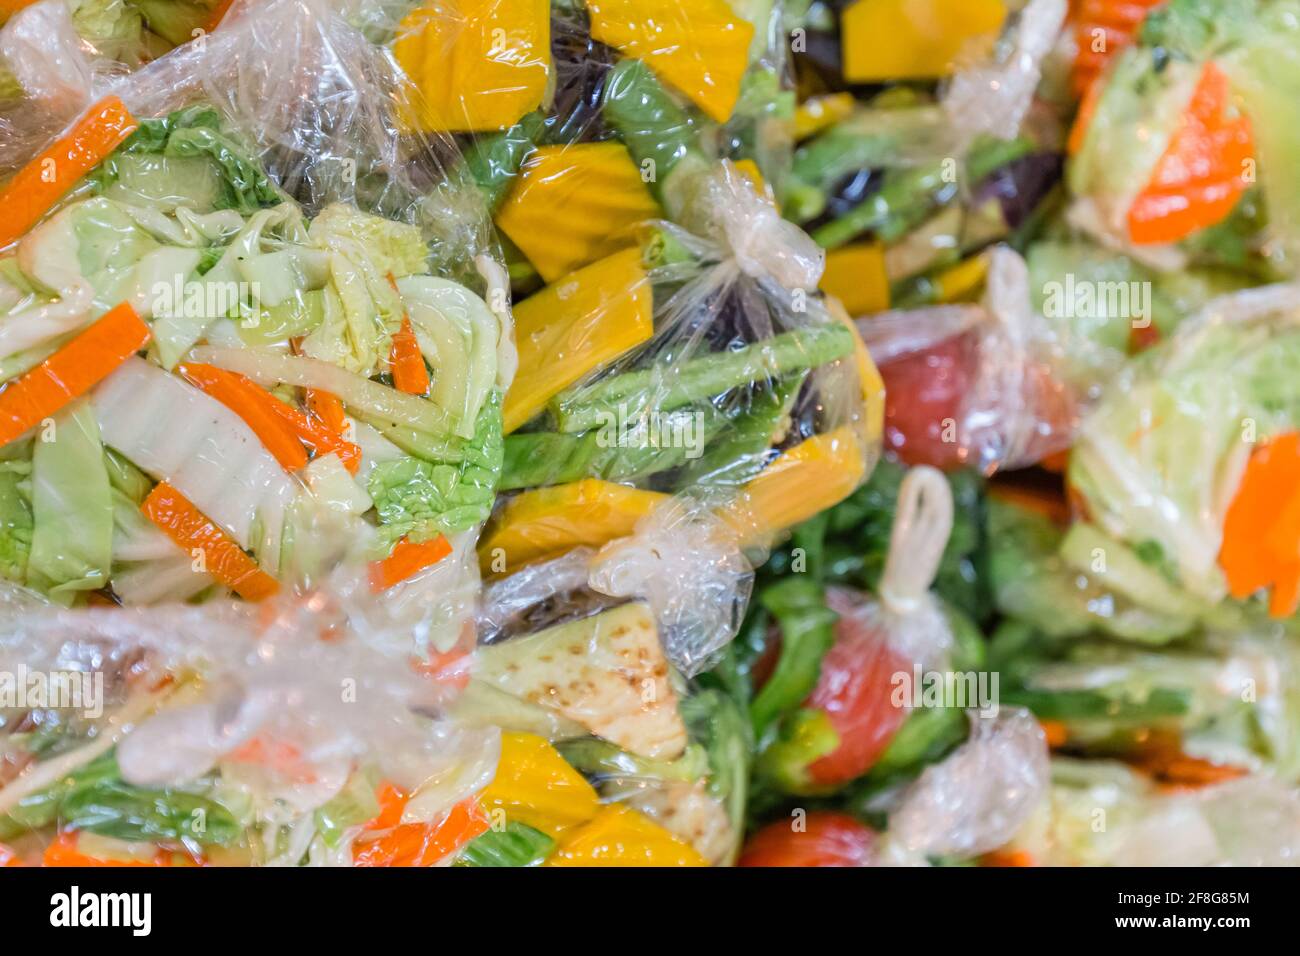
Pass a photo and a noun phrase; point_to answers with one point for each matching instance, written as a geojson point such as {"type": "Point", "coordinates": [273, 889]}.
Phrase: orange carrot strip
{"type": "Point", "coordinates": [9, 857]}
{"type": "Point", "coordinates": [1004, 858]}
{"type": "Point", "coordinates": [1199, 179]}
{"type": "Point", "coordinates": [1261, 531]}
{"type": "Point", "coordinates": [318, 436]}
{"type": "Point", "coordinates": [410, 374]}
{"type": "Point", "coordinates": [73, 370]}
{"type": "Point", "coordinates": [37, 187]}
{"type": "Point", "coordinates": [1102, 29]}
{"type": "Point", "coordinates": [407, 559]}
{"type": "Point", "coordinates": [392, 801]}
{"type": "Point", "coordinates": [63, 852]}
{"type": "Point", "coordinates": [255, 405]}
{"type": "Point", "coordinates": [1056, 733]}
{"type": "Point", "coordinates": [423, 844]}
{"type": "Point", "coordinates": [190, 528]}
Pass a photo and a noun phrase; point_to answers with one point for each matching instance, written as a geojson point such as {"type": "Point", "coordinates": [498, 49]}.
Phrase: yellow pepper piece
{"type": "Point", "coordinates": [479, 64]}
{"type": "Point", "coordinates": [915, 39]}
{"type": "Point", "coordinates": [547, 522]}
{"type": "Point", "coordinates": [583, 321]}
{"type": "Point", "coordinates": [963, 279]}
{"type": "Point", "coordinates": [620, 836]}
{"type": "Point", "coordinates": [572, 205]}
{"type": "Point", "coordinates": [856, 276]}
{"type": "Point", "coordinates": [811, 477]}
{"type": "Point", "coordinates": [700, 47]}
{"type": "Point", "coordinates": [535, 786]}
{"type": "Point", "coordinates": [873, 386]}
{"type": "Point", "coordinates": [821, 112]}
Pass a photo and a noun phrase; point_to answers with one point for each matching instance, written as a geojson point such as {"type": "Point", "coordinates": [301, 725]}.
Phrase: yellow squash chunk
{"type": "Point", "coordinates": [548, 522]}
{"type": "Point", "coordinates": [535, 786]}
{"type": "Point", "coordinates": [811, 477]}
{"type": "Point", "coordinates": [873, 386]}
{"type": "Point", "coordinates": [915, 39]}
{"type": "Point", "coordinates": [572, 205]}
{"type": "Point", "coordinates": [607, 672]}
{"type": "Point", "coordinates": [479, 64]}
{"type": "Point", "coordinates": [583, 321]}
{"type": "Point", "coordinates": [960, 282]}
{"type": "Point", "coordinates": [619, 836]}
{"type": "Point", "coordinates": [821, 112]}
{"type": "Point", "coordinates": [700, 47]}
{"type": "Point", "coordinates": [856, 276]}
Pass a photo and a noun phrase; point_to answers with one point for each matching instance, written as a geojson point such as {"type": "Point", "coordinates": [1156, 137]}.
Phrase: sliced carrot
{"type": "Point", "coordinates": [1163, 760]}
{"type": "Point", "coordinates": [37, 187]}
{"type": "Point", "coordinates": [73, 370]}
{"type": "Point", "coordinates": [9, 857]}
{"type": "Point", "coordinates": [317, 435]}
{"type": "Point", "coordinates": [1102, 28]}
{"type": "Point", "coordinates": [1200, 177]}
{"type": "Point", "coordinates": [406, 560]}
{"type": "Point", "coordinates": [451, 668]}
{"type": "Point", "coordinates": [327, 407]}
{"type": "Point", "coordinates": [255, 405]}
{"type": "Point", "coordinates": [423, 844]}
{"type": "Point", "coordinates": [1056, 732]}
{"type": "Point", "coordinates": [190, 528]}
{"type": "Point", "coordinates": [392, 801]}
{"type": "Point", "coordinates": [1261, 531]}
{"type": "Point", "coordinates": [63, 852]}
{"type": "Point", "coordinates": [410, 374]}
{"type": "Point", "coordinates": [1005, 858]}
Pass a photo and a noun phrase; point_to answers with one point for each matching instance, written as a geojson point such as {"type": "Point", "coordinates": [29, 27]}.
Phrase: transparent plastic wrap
{"type": "Point", "coordinates": [246, 337]}
{"type": "Point", "coordinates": [228, 736]}
{"type": "Point", "coordinates": [963, 808]}
{"type": "Point", "coordinates": [1187, 462]}
{"type": "Point", "coordinates": [840, 690]}
{"type": "Point", "coordinates": [1182, 146]}
{"type": "Point", "coordinates": [906, 186]}
{"type": "Point", "coordinates": [1101, 813]}
{"type": "Point", "coordinates": [609, 752]}
{"type": "Point", "coordinates": [981, 386]}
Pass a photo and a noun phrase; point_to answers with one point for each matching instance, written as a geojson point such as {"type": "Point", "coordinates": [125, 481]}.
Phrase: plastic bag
{"type": "Point", "coordinates": [856, 683]}
{"type": "Point", "coordinates": [977, 798]}
{"type": "Point", "coordinates": [975, 386]}
{"type": "Point", "coordinates": [904, 187]}
{"type": "Point", "coordinates": [584, 681]}
{"type": "Point", "coordinates": [1250, 821]}
{"type": "Point", "coordinates": [252, 195]}
{"type": "Point", "coordinates": [1209, 445]}
{"type": "Point", "coordinates": [221, 735]}
{"type": "Point", "coordinates": [1225, 94]}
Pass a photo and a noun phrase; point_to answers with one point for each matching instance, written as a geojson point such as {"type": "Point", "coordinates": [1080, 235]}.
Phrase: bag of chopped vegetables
{"type": "Point", "coordinates": [981, 386]}
{"type": "Point", "coordinates": [904, 187]}
{"type": "Point", "coordinates": [609, 752]}
{"type": "Point", "coordinates": [220, 735]}
{"type": "Point", "coordinates": [829, 670]}
{"type": "Point", "coordinates": [581, 174]}
{"type": "Point", "coordinates": [1184, 473]}
{"type": "Point", "coordinates": [971, 803]}
{"type": "Point", "coordinates": [245, 337]}
{"type": "Point", "coordinates": [1102, 813]}
{"type": "Point", "coordinates": [1183, 144]}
